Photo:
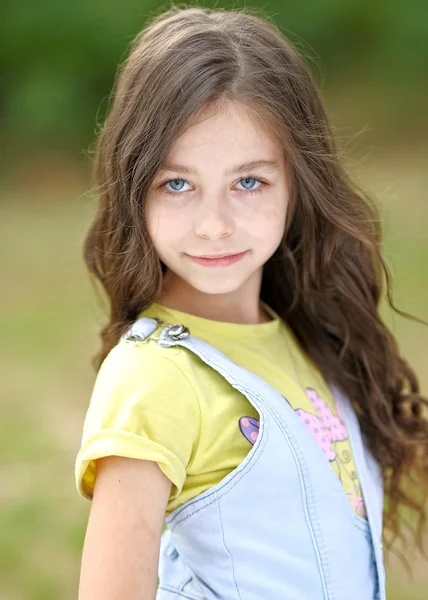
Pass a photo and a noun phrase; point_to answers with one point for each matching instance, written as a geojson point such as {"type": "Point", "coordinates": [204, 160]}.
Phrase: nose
{"type": "Point", "coordinates": [213, 219]}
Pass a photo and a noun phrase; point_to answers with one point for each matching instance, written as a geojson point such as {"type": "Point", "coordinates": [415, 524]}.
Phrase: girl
{"type": "Point", "coordinates": [250, 406]}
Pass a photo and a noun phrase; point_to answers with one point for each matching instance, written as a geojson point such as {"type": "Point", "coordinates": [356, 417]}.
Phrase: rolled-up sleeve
{"type": "Point", "coordinates": [142, 406]}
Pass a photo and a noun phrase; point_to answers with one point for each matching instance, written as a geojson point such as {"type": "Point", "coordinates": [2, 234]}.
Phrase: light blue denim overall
{"type": "Point", "coordinates": [279, 526]}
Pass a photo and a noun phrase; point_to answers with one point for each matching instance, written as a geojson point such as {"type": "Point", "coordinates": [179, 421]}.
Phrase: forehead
{"type": "Point", "coordinates": [231, 139]}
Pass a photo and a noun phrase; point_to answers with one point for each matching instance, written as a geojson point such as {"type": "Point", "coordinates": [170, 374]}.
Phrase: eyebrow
{"type": "Point", "coordinates": [266, 165]}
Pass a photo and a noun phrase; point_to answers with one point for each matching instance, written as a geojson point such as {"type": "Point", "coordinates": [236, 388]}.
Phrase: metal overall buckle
{"type": "Point", "coordinates": [174, 332]}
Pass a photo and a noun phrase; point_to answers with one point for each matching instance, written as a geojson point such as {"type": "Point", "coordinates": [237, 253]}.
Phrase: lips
{"type": "Point", "coordinates": [218, 260]}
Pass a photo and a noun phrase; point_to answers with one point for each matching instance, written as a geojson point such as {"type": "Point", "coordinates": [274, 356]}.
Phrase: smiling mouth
{"type": "Point", "coordinates": [219, 261]}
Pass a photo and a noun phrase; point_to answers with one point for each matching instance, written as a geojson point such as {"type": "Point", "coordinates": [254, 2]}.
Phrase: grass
{"type": "Point", "coordinates": [49, 323]}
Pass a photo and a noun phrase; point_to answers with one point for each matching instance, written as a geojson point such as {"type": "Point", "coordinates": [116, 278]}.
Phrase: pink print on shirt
{"type": "Point", "coordinates": [326, 427]}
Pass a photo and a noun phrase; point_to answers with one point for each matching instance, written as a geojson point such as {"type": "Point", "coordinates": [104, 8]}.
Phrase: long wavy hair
{"type": "Point", "coordinates": [327, 276]}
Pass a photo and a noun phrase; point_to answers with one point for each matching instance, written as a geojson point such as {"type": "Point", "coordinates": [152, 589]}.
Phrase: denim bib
{"type": "Point", "coordinates": [279, 526]}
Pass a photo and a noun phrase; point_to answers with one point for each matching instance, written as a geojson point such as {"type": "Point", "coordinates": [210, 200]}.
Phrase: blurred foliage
{"type": "Point", "coordinates": [58, 60]}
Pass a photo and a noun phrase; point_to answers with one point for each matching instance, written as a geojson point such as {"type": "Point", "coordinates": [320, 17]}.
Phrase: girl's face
{"type": "Point", "coordinates": [202, 203]}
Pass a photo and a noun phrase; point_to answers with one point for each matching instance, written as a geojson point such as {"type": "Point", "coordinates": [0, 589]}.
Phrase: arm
{"type": "Point", "coordinates": [121, 550]}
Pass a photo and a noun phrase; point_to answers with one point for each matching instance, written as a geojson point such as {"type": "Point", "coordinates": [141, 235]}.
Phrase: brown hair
{"type": "Point", "coordinates": [327, 276]}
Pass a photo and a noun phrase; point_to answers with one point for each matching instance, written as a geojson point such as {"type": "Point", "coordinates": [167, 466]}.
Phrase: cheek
{"type": "Point", "coordinates": [165, 229]}
{"type": "Point", "coordinates": [270, 222]}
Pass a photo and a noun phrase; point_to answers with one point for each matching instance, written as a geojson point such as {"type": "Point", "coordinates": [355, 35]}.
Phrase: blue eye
{"type": "Point", "coordinates": [174, 181]}
{"type": "Point", "coordinates": [179, 189]}
{"type": "Point", "coordinates": [251, 179]}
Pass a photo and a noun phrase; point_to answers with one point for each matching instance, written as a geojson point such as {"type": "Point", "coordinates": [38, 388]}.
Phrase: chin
{"type": "Point", "coordinates": [214, 290]}
{"type": "Point", "coordinates": [215, 285]}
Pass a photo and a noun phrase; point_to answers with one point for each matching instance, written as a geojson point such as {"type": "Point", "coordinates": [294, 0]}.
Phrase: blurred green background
{"type": "Point", "coordinates": [58, 62]}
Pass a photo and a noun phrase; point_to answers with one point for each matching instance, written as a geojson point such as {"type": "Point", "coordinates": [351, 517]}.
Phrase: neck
{"type": "Point", "coordinates": [229, 308]}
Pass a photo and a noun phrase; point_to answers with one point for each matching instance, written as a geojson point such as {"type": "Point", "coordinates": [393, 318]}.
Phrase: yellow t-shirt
{"type": "Point", "coordinates": [168, 406]}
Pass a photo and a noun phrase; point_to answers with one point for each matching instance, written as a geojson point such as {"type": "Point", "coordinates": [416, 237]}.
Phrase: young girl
{"type": "Point", "coordinates": [250, 406]}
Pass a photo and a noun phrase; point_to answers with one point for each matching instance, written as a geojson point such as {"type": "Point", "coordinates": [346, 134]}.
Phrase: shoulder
{"type": "Point", "coordinates": [133, 361]}
{"type": "Point", "coordinates": [143, 406]}
{"type": "Point", "coordinates": [136, 374]}
{"type": "Point", "coordinates": [138, 387]}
